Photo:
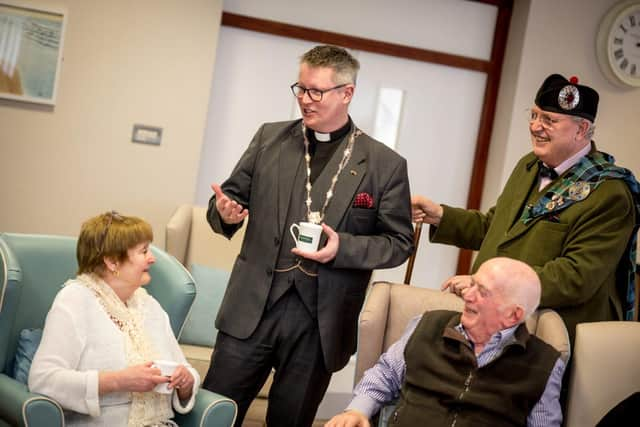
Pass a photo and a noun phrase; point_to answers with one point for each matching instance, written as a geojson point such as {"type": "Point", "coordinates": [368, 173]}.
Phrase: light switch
{"type": "Point", "coordinates": [146, 134]}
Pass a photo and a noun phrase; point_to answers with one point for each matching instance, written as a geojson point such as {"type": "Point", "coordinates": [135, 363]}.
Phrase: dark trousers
{"type": "Point", "coordinates": [286, 339]}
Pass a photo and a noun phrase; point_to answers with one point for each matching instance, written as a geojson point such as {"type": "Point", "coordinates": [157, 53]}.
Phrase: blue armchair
{"type": "Point", "coordinates": [32, 268]}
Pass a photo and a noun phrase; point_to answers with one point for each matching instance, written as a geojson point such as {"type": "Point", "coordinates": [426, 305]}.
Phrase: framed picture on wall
{"type": "Point", "coordinates": [31, 41]}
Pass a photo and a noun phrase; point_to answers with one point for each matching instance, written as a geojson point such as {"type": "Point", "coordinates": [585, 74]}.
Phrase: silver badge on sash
{"type": "Point", "coordinates": [579, 191]}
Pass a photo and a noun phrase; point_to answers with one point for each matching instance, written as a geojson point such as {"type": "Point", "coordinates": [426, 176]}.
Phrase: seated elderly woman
{"type": "Point", "coordinates": [104, 331]}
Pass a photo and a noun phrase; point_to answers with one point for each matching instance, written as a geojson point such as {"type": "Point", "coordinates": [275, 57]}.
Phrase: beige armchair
{"type": "Point", "coordinates": [190, 239]}
{"type": "Point", "coordinates": [605, 370]}
{"type": "Point", "coordinates": [390, 306]}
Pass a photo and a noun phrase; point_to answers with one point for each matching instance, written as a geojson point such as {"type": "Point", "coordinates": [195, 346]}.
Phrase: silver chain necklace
{"type": "Point", "coordinates": [316, 217]}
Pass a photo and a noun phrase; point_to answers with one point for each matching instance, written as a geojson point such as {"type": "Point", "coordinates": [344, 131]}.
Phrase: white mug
{"type": "Point", "coordinates": [167, 367]}
{"type": "Point", "coordinates": [308, 236]}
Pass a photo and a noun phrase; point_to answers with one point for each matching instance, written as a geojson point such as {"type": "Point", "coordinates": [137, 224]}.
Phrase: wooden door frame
{"type": "Point", "coordinates": [492, 68]}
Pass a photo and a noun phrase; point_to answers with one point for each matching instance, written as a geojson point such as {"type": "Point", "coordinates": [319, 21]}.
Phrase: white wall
{"type": "Point", "coordinates": [453, 26]}
{"type": "Point", "coordinates": [548, 37]}
{"type": "Point", "coordinates": [436, 98]}
{"type": "Point", "coordinates": [125, 62]}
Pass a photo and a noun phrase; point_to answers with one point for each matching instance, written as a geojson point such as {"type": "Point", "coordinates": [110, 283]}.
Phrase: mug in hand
{"type": "Point", "coordinates": [308, 236]}
{"type": "Point", "coordinates": [167, 367]}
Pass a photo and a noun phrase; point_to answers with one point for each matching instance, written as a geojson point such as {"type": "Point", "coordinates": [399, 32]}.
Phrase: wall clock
{"type": "Point", "coordinates": [618, 44]}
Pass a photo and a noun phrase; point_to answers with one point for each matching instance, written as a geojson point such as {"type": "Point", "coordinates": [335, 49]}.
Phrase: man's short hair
{"type": "Point", "coordinates": [342, 62]}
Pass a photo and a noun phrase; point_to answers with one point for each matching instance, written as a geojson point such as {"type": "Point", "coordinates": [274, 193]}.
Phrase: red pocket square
{"type": "Point", "coordinates": [363, 200]}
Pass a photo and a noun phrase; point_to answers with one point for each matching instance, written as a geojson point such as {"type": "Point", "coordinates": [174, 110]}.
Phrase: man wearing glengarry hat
{"type": "Point", "coordinates": [566, 210]}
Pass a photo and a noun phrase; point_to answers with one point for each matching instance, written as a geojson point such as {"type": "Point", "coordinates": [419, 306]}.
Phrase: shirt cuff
{"type": "Point", "coordinates": [92, 395]}
{"type": "Point", "coordinates": [364, 404]}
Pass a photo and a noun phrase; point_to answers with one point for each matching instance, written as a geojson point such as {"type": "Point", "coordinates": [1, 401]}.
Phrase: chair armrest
{"type": "Point", "coordinates": [210, 410]}
{"type": "Point", "coordinates": [551, 329]}
{"type": "Point", "coordinates": [20, 407]}
{"type": "Point", "coordinates": [178, 231]}
{"type": "Point", "coordinates": [371, 328]}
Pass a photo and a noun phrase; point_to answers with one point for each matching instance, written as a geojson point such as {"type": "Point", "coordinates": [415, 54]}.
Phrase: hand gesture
{"type": "Point", "coordinates": [138, 378]}
{"type": "Point", "coordinates": [325, 254]}
{"type": "Point", "coordinates": [183, 381]}
{"type": "Point", "coordinates": [350, 418]}
{"type": "Point", "coordinates": [231, 212]}
{"type": "Point", "coordinates": [457, 284]}
{"type": "Point", "coordinates": [425, 210]}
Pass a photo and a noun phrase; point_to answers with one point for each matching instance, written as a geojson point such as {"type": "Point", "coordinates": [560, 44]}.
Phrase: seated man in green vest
{"type": "Point", "coordinates": [480, 367]}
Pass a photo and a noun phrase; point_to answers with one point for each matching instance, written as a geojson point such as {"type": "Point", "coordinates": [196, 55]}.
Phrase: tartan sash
{"type": "Point", "coordinates": [576, 185]}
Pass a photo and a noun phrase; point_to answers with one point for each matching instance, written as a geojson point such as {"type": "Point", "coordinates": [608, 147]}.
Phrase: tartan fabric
{"type": "Point", "coordinates": [589, 172]}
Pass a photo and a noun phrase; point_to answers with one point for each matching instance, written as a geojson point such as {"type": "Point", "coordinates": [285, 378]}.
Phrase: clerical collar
{"type": "Point", "coordinates": [336, 135]}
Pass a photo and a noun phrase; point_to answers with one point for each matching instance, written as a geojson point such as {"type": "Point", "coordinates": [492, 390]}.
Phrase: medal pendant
{"type": "Point", "coordinates": [314, 217]}
{"type": "Point", "coordinates": [579, 191]}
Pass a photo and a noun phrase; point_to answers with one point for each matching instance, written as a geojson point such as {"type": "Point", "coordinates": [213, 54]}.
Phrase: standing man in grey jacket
{"type": "Point", "coordinates": [288, 309]}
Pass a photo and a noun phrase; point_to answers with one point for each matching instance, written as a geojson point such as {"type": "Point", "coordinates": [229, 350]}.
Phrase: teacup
{"type": "Point", "coordinates": [167, 367]}
{"type": "Point", "coordinates": [308, 236]}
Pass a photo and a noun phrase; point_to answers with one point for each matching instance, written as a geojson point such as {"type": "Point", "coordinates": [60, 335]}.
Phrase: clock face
{"type": "Point", "coordinates": [623, 47]}
{"type": "Point", "coordinates": [619, 44]}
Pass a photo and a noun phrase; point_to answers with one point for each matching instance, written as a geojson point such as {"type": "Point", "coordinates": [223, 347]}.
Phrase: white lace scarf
{"type": "Point", "coordinates": [149, 408]}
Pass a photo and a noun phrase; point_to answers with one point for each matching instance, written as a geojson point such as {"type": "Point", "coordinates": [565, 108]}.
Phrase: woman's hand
{"type": "Point", "coordinates": [183, 381]}
{"type": "Point", "coordinates": [137, 378]}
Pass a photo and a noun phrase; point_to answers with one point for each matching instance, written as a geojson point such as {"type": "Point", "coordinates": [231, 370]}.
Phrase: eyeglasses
{"type": "Point", "coordinates": [110, 216]}
{"type": "Point", "coordinates": [547, 121]}
{"type": "Point", "coordinates": [314, 94]}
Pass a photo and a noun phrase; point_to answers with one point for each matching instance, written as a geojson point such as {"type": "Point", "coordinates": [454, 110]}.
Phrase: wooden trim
{"type": "Point", "coordinates": [492, 2]}
{"type": "Point", "coordinates": [352, 42]}
{"type": "Point", "coordinates": [493, 69]}
{"type": "Point", "coordinates": [487, 117]}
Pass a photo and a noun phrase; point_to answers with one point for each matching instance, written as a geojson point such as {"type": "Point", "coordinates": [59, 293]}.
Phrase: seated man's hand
{"type": "Point", "coordinates": [457, 284]}
{"type": "Point", "coordinates": [350, 418]}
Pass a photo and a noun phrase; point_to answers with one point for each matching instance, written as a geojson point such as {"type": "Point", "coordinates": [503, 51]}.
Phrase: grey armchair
{"type": "Point", "coordinates": [32, 268]}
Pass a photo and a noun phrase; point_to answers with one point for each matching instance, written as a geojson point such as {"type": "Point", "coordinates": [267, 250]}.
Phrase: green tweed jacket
{"type": "Point", "coordinates": [574, 251]}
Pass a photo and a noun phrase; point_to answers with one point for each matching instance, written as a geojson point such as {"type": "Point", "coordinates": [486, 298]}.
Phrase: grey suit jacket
{"type": "Point", "coordinates": [380, 237]}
